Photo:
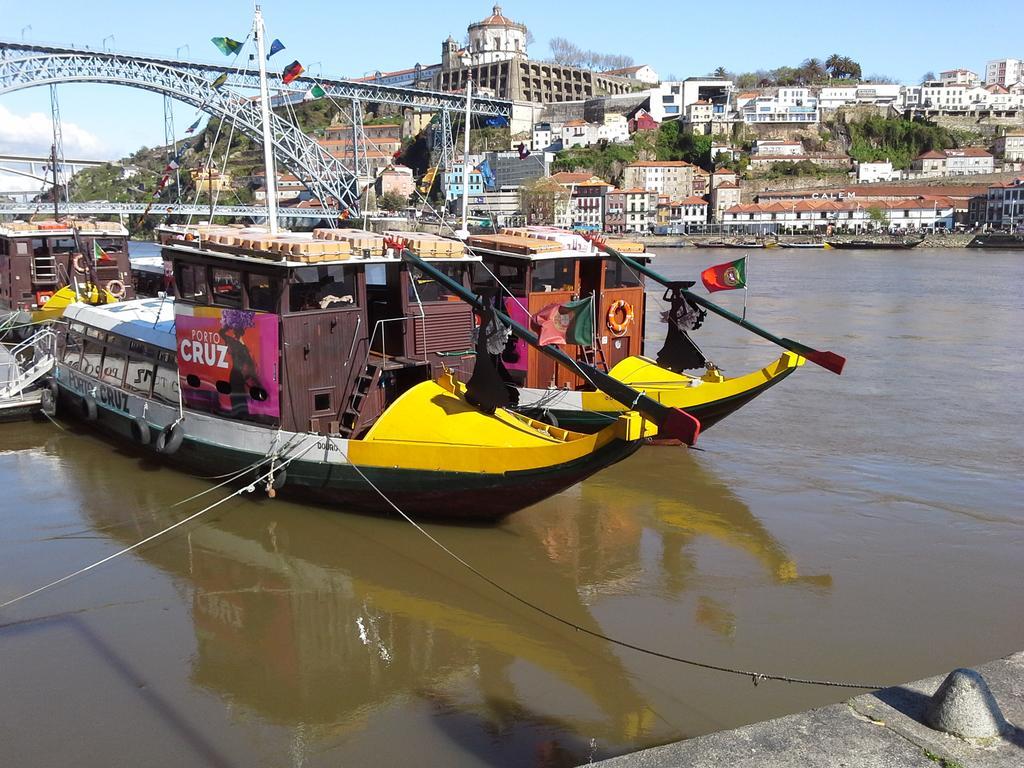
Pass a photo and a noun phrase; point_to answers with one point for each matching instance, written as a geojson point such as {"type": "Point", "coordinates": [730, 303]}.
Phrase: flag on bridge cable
{"type": "Point", "coordinates": [226, 45]}
{"type": "Point", "coordinates": [194, 125]}
{"type": "Point", "coordinates": [314, 93]}
{"type": "Point", "coordinates": [221, 79]}
{"type": "Point", "coordinates": [291, 72]}
{"type": "Point", "coordinates": [275, 46]}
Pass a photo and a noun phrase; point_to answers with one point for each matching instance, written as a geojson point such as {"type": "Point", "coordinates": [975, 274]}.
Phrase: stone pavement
{"type": "Point", "coordinates": [884, 729]}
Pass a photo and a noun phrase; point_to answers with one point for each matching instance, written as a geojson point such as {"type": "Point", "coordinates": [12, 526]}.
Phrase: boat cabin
{"type": "Point", "coordinates": [39, 258]}
{"type": "Point", "coordinates": [534, 267]}
{"type": "Point", "coordinates": [315, 332]}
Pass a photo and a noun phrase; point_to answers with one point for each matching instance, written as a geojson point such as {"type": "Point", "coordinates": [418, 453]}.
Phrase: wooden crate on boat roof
{"type": "Point", "coordinates": [626, 246]}
{"type": "Point", "coordinates": [518, 244]}
{"type": "Point", "coordinates": [360, 241]}
{"type": "Point", "coordinates": [430, 246]}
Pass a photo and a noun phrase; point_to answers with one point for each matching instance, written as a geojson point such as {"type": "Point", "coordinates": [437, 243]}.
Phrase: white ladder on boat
{"type": "Point", "coordinates": [43, 345]}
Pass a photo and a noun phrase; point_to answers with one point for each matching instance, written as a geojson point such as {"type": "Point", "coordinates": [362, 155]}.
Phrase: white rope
{"type": "Point", "coordinates": [156, 535]}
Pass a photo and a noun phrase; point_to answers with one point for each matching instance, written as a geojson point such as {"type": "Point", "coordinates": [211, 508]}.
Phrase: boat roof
{"type": "Point", "coordinates": [364, 247]}
{"type": "Point", "coordinates": [147, 320]}
{"type": "Point", "coordinates": [152, 264]}
{"type": "Point", "coordinates": [243, 258]}
{"type": "Point", "coordinates": [51, 228]}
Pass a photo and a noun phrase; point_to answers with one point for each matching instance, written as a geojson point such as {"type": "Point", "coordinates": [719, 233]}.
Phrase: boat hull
{"type": "Point", "coordinates": [872, 245]}
{"type": "Point", "coordinates": [709, 401]}
{"type": "Point", "coordinates": [439, 482]}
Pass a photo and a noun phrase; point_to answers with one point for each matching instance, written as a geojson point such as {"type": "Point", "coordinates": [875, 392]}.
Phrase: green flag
{"type": "Point", "coordinates": [569, 323]}
{"type": "Point", "coordinates": [316, 92]}
{"type": "Point", "coordinates": [226, 45]}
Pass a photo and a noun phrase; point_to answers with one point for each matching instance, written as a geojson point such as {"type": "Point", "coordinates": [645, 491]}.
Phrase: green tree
{"type": "Point", "coordinates": [392, 201]}
{"type": "Point", "coordinates": [877, 216]}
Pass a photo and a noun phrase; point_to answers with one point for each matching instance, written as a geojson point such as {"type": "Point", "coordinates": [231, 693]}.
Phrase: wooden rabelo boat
{"type": "Point", "coordinates": [327, 363]}
{"type": "Point", "coordinates": [46, 265]}
{"type": "Point", "coordinates": [874, 245]}
{"type": "Point", "coordinates": [534, 267]}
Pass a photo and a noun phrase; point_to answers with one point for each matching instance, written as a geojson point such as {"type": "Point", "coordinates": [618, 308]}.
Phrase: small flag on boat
{"type": "Point", "coordinates": [569, 323]}
{"type": "Point", "coordinates": [314, 93]}
{"type": "Point", "coordinates": [275, 46]}
{"type": "Point", "coordinates": [226, 45]}
{"type": "Point", "coordinates": [221, 79]}
{"type": "Point", "coordinates": [523, 151]}
{"type": "Point", "coordinates": [291, 72]}
{"type": "Point", "coordinates": [98, 254]}
{"type": "Point", "coordinates": [725, 277]}
{"type": "Point", "coordinates": [194, 125]}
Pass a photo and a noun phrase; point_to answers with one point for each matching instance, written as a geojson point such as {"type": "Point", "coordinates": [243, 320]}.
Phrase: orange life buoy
{"type": "Point", "coordinates": [116, 288]}
{"type": "Point", "coordinates": [79, 263]}
{"type": "Point", "coordinates": [616, 326]}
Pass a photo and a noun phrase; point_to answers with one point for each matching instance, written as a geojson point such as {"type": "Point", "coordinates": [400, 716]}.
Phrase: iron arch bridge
{"type": "Point", "coordinates": [325, 176]}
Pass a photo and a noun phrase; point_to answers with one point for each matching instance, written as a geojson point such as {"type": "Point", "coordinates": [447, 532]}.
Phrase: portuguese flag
{"type": "Point", "coordinates": [725, 277]}
{"type": "Point", "coordinates": [569, 323]}
{"type": "Point", "coordinates": [98, 254]}
{"type": "Point", "coordinates": [292, 71]}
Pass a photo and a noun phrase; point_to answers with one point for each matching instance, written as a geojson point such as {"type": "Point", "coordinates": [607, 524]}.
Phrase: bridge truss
{"type": "Point", "coordinates": [325, 176]}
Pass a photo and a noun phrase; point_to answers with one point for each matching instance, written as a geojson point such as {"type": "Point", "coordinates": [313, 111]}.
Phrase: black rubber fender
{"type": "Point", "coordinates": [87, 405]}
{"type": "Point", "coordinates": [140, 431]}
{"type": "Point", "coordinates": [170, 438]}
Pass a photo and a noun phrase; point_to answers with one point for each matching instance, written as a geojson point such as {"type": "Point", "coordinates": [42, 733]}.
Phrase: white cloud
{"type": "Point", "coordinates": [32, 134]}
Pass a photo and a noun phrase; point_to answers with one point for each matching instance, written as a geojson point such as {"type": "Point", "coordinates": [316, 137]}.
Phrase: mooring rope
{"type": "Point", "coordinates": [156, 535]}
{"type": "Point", "coordinates": [755, 676]}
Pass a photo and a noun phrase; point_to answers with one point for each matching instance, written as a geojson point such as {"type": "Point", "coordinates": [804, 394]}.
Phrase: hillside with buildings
{"type": "Point", "coordinates": [622, 150]}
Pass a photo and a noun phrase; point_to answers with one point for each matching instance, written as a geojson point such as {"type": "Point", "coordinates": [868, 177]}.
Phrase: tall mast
{"type": "Point", "coordinates": [464, 232]}
{"type": "Point", "coordinates": [268, 139]}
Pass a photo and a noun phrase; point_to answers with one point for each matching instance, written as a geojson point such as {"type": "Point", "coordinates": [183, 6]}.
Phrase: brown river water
{"type": "Point", "coordinates": [865, 528]}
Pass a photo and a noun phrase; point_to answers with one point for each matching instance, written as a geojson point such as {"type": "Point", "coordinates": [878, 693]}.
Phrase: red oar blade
{"type": "Point", "coordinates": [679, 425]}
{"type": "Point", "coordinates": [827, 360]}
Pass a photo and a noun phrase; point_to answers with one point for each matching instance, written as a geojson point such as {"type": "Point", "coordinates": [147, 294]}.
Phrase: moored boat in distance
{"type": "Point", "coordinates": [875, 245]}
{"type": "Point", "coordinates": [1004, 240]}
{"type": "Point", "coordinates": [745, 244]}
{"type": "Point", "coordinates": [46, 265]}
{"type": "Point", "coordinates": [534, 267]}
{"type": "Point", "coordinates": [324, 363]}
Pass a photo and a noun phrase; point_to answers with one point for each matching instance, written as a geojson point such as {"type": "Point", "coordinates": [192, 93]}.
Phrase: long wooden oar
{"type": "Point", "coordinates": [828, 360]}
{"type": "Point", "coordinates": [673, 423]}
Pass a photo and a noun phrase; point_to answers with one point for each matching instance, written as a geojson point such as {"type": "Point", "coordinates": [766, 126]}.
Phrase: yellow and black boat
{"type": "Point", "coordinates": [303, 357]}
{"type": "Point", "coordinates": [531, 268]}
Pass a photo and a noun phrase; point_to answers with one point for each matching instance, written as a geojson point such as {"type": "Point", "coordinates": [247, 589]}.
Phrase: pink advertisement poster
{"type": "Point", "coordinates": [227, 361]}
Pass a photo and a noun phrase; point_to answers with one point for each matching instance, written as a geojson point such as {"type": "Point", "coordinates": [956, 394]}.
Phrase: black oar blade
{"type": "Point", "coordinates": [827, 360]}
{"type": "Point", "coordinates": [679, 425]}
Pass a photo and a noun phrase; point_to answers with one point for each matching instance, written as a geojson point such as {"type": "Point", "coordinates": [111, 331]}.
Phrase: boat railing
{"type": "Point", "coordinates": [42, 345]}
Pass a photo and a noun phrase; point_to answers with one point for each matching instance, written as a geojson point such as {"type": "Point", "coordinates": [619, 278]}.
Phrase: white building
{"type": "Point", "coordinates": [669, 100]}
{"type": "Point", "coordinates": [880, 170]}
{"type": "Point", "coordinates": [613, 129]}
{"type": "Point", "coordinates": [1004, 72]}
{"type": "Point", "coordinates": [963, 162]}
{"type": "Point", "coordinates": [544, 135]}
{"type": "Point", "coordinates": [578, 133]}
{"type": "Point", "coordinates": [820, 215]}
{"type": "Point", "coordinates": [643, 73]}
{"type": "Point", "coordinates": [777, 148]}
{"type": "Point", "coordinates": [784, 105]}
{"type": "Point", "coordinates": [1010, 147]}
{"type": "Point", "coordinates": [958, 77]}
{"type": "Point", "coordinates": [495, 39]}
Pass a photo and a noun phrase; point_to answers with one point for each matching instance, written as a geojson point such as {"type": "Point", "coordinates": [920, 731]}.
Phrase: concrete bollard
{"type": "Point", "coordinates": [964, 706]}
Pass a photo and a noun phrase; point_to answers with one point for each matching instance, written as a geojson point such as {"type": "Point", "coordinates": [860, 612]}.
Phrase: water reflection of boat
{"type": "Point", "coordinates": [318, 621]}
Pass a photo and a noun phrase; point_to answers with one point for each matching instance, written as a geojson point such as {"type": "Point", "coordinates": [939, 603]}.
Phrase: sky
{"type": "Point", "coordinates": [901, 39]}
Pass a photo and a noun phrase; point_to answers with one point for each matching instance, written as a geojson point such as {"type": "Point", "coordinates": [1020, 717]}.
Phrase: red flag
{"type": "Point", "coordinates": [725, 277]}
{"type": "Point", "coordinates": [291, 72]}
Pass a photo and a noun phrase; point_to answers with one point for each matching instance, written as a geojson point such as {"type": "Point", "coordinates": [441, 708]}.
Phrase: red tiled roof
{"type": "Point", "coordinates": [967, 152]}
{"type": "Point", "coordinates": [724, 172]}
{"type": "Point", "coordinates": [568, 177]}
{"type": "Point", "coordinates": [931, 154]}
